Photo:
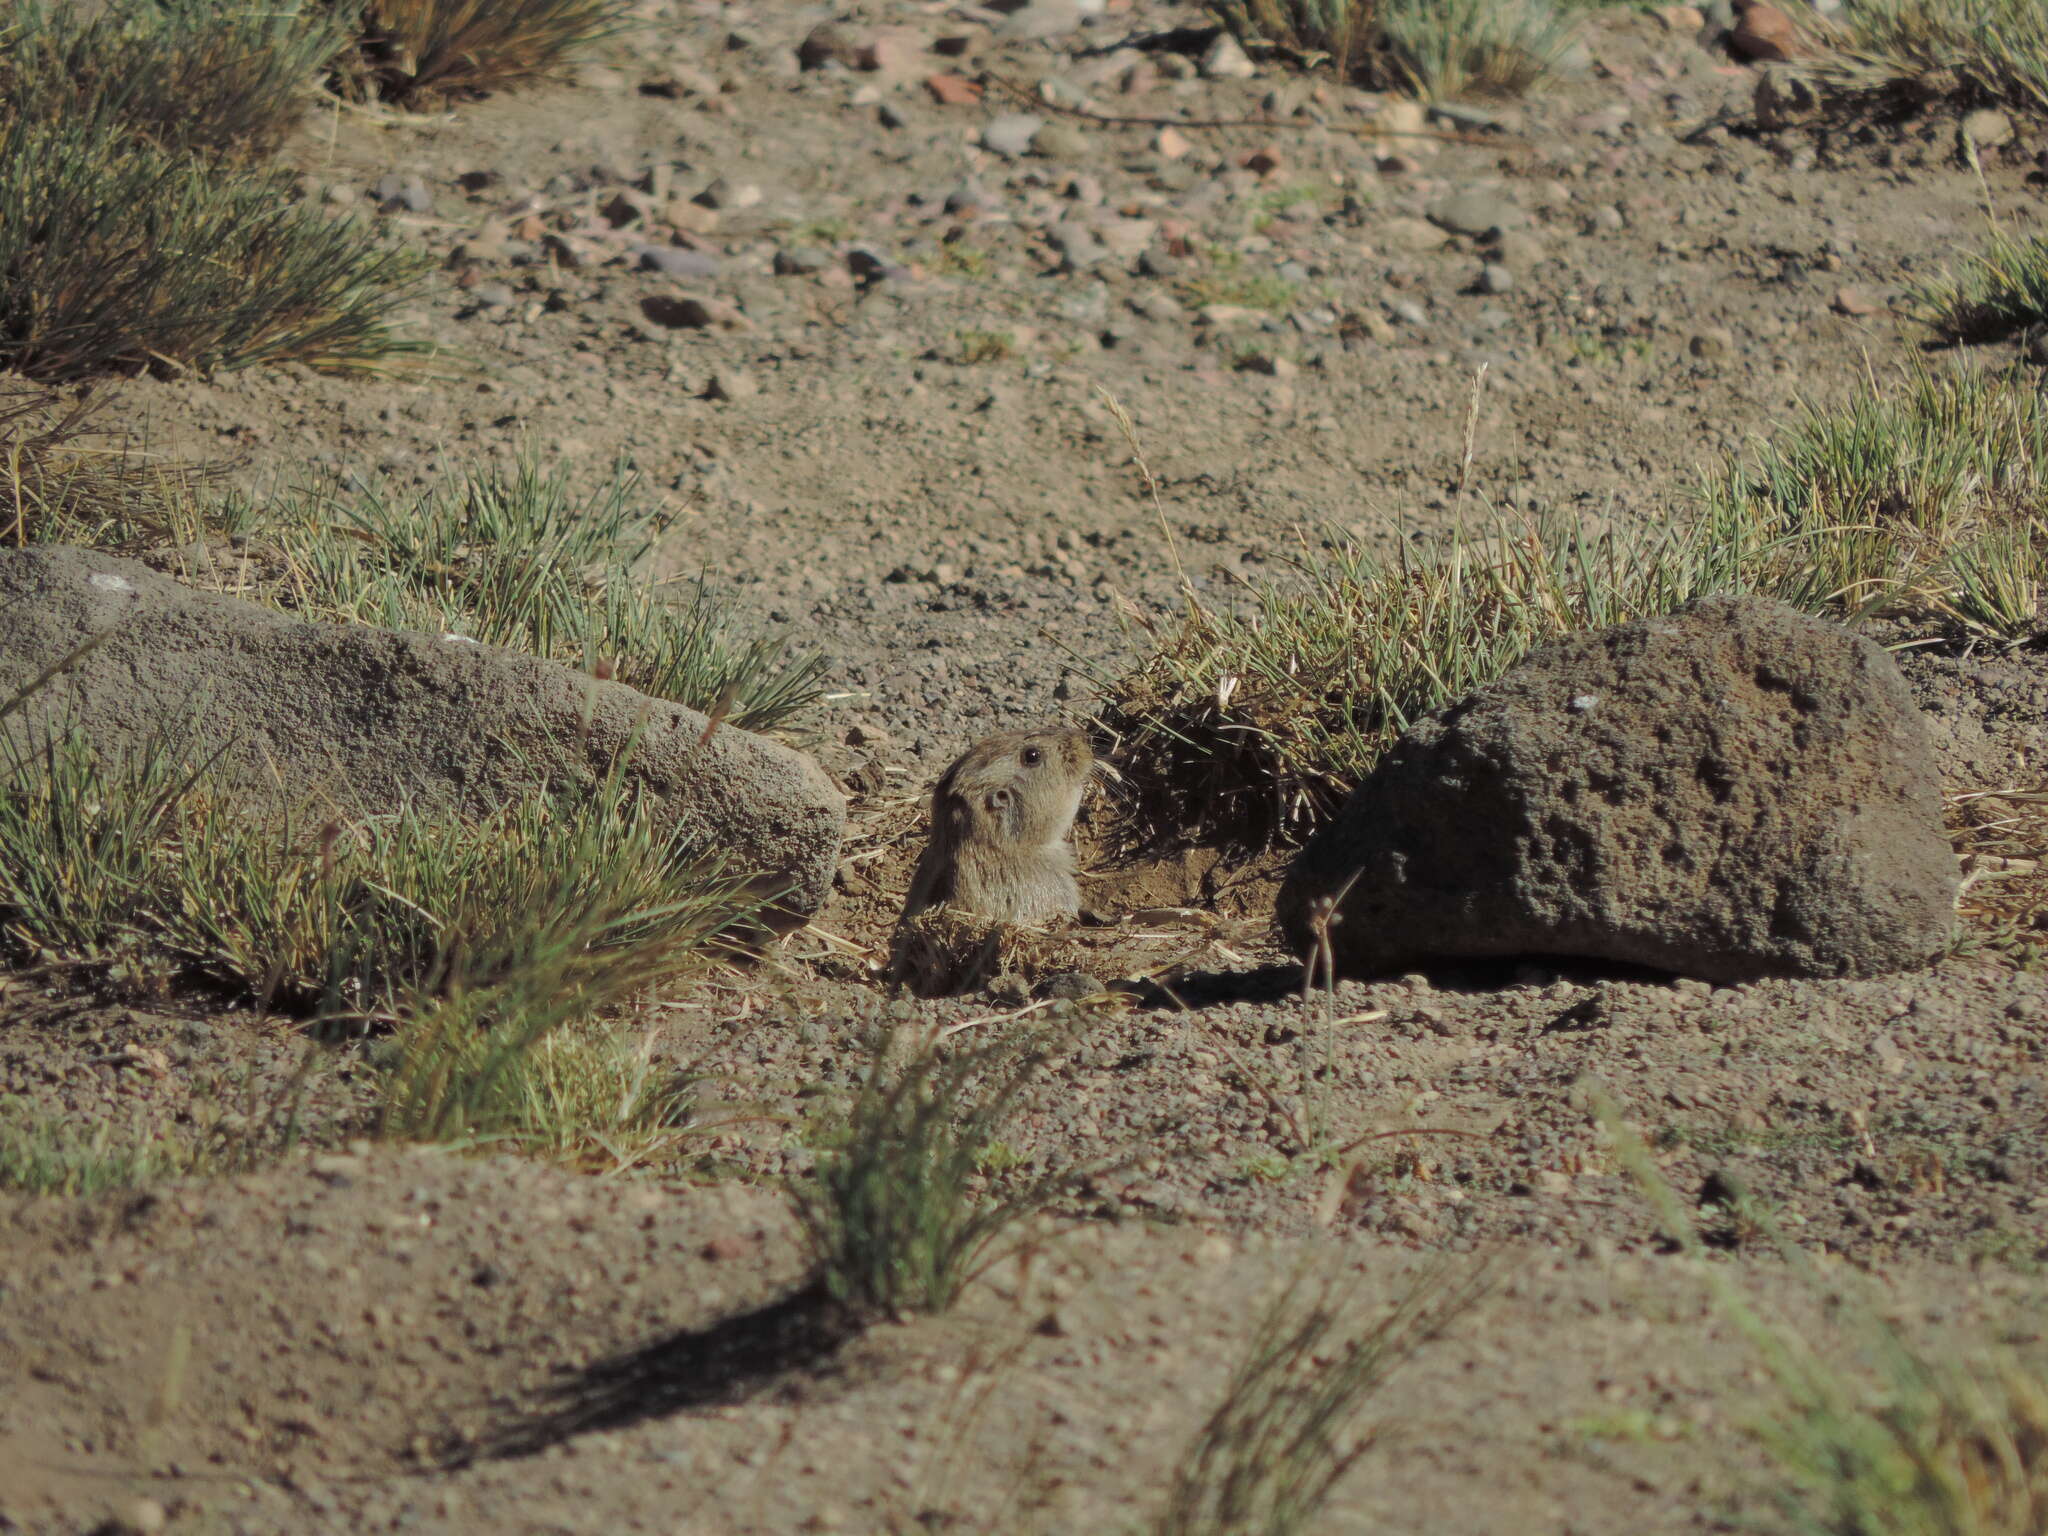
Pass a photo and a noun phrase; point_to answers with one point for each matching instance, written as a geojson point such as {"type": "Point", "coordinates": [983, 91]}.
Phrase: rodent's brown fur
{"type": "Point", "coordinates": [1001, 822]}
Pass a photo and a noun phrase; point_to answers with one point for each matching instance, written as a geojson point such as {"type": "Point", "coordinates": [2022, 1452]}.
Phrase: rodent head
{"type": "Point", "coordinates": [1017, 790]}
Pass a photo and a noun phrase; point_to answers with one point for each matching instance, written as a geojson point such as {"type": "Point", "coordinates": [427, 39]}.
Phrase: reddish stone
{"type": "Point", "coordinates": [952, 91]}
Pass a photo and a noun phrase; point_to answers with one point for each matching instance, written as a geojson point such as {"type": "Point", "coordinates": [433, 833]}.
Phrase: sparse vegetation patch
{"type": "Point", "coordinates": [215, 80]}
{"type": "Point", "coordinates": [516, 558]}
{"type": "Point", "coordinates": [412, 51]}
{"type": "Point", "coordinates": [902, 1209]}
{"type": "Point", "coordinates": [1925, 499]}
{"type": "Point", "coordinates": [119, 256]}
{"type": "Point", "coordinates": [1437, 49]}
{"type": "Point", "coordinates": [2000, 291]}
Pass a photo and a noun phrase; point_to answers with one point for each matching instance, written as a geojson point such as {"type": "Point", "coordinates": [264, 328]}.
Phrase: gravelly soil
{"type": "Point", "coordinates": [306, 1348]}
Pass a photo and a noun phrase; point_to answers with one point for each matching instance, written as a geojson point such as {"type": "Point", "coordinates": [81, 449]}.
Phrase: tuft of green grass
{"type": "Point", "coordinates": [1905, 1442]}
{"type": "Point", "coordinates": [1226, 279]}
{"type": "Point", "coordinates": [212, 79]}
{"type": "Point", "coordinates": [972, 346]}
{"type": "Point", "coordinates": [412, 51]}
{"type": "Point", "coordinates": [61, 483]}
{"type": "Point", "coordinates": [514, 557]}
{"type": "Point", "coordinates": [1287, 1431]}
{"type": "Point", "coordinates": [537, 1061]}
{"type": "Point", "coordinates": [901, 1209]}
{"type": "Point", "coordinates": [139, 865]}
{"type": "Point", "coordinates": [1249, 724]}
{"type": "Point", "coordinates": [1251, 719]}
{"type": "Point", "coordinates": [43, 1154]}
{"type": "Point", "coordinates": [1926, 500]}
{"type": "Point", "coordinates": [119, 256]}
{"type": "Point", "coordinates": [1437, 49]}
{"type": "Point", "coordinates": [2001, 291]}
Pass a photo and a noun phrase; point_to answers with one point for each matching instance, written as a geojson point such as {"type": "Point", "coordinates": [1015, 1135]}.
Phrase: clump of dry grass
{"type": "Point", "coordinates": [63, 482]}
{"type": "Point", "coordinates": [1435, 48]}
{"type": "Point", "coordinates": [512, 556]}
{"type": "Point", "coordinates": [1998, 292]}
{"type": "Point", "coordinates": [1287, 1431]}
{"type": "Point", "coordinates": [414, 50]}
{"type": "Point", "coordinates": [1958, 53]}
{"type": "Point", "coordinates": [1249, 725]}
{"type": "Point", "coordinates": [900, 1209]}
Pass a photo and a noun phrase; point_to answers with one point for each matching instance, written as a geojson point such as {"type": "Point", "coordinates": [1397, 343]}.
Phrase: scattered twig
{"type": "Point", "coordinates": [1356, 130]}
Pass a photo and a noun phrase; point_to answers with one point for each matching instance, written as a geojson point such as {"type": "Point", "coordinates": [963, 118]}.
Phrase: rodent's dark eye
{"type": "Point", "coordinates": [1032, 757]}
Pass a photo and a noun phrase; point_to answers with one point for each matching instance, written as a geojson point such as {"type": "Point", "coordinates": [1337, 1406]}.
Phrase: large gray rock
{"type": "Point", "coordinates": [1732, 791]}
{"type": "Point", "coordinates": [366, 718]}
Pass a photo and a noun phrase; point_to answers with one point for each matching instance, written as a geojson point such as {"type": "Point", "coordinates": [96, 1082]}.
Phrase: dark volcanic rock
{"type": "Point", "coordinates": [1729, 792]}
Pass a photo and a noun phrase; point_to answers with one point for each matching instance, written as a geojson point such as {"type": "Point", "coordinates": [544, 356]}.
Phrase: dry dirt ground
{"type": "Point", "coordinates": [370, 1339]}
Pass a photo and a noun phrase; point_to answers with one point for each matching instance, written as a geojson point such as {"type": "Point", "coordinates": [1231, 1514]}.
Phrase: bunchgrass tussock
{"type": "Point", "coordinates": [216, 80]}
{"type": "Point", "coordinates": [900, 1210]}
{"type": "Point", "coordinates": [1923, 500]}
{"type": "Point", "coordinates": [118, 256]}
{"type": "Point", "coordinates": [1900, 56]}
{"type": "Point", "coordinates": [1289, 1427]}
{"type": "Point", "coordinates": [1250, 722]}
{"type": "Point", "coordinates": [1997, 292]}
{"type": "Point", "coordinates": [540, 1059]}
{"type": "Point", "coordinates": [140, 865]}
{"type": "Point", "coordinates": [1901, 1441]}
{"type": "Point", "coordinates": [1438, 49]}
{"type": "Point", "coordinates": [414, 50]}
{"type": "Point", "coordinates": [516, 558]}
{"type": "Point", "coordinates": [63, 481]}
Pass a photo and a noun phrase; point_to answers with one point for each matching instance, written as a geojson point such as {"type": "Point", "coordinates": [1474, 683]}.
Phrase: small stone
{"type": "Point", "coordinates": [1685, 20]}
{"type": "Point", "coordinates": [1010, 135]}
{"type": "Point", "coordinates": [731, 384]}
{"type": "Point", "coordinates": [493, 295]}
{"type": "Point", "coordinates": [676, 261]}
{"type": "Point", "coordinates": [1171, 143]}
{"type": "Point", "coordinates": [723, 194]}
{"type": "Point", "coordinates": [1263, 161]}
{"type": "Point", "coordinates": [409, 193]}
{"type": "Point", "coordinates": [1495, 278]}
{"type": "Point", "coordinates": [1059, 141]}
{"type": "Point", "coordinates": [826, 44]}
{"type": "Point", "coordinates": [1225, 60]}
{"type": "Point", "coordinates": [1078, 247]}
{"type": "Point", "coordinates": [1986, 128]}
{"type": "Point", "coordinates": [687, 312]}
{"type": "Point", "coordinates": [1712, 345]}
{"type": "Point", "coordinates": [888, 52]}
{"type": "Point", "coordinates": [1764, 32]}
{"type": "Point", "coordinates": [1476, 212]}
{"type": "Point", "coordinates": [952, 91]}
{"type": "Point", "coordinates": [1408, 312]}
{"type": "Point", "coordinates": [1854, 301]}
{"type": "Point", "coordinates": [800, 261]}
{"type": "Point", "coordinates": [1403, 234]}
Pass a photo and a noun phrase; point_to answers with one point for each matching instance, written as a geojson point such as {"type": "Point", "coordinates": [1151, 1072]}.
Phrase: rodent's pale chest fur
{"type": "Point", "coordinates": [1017, 885]}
